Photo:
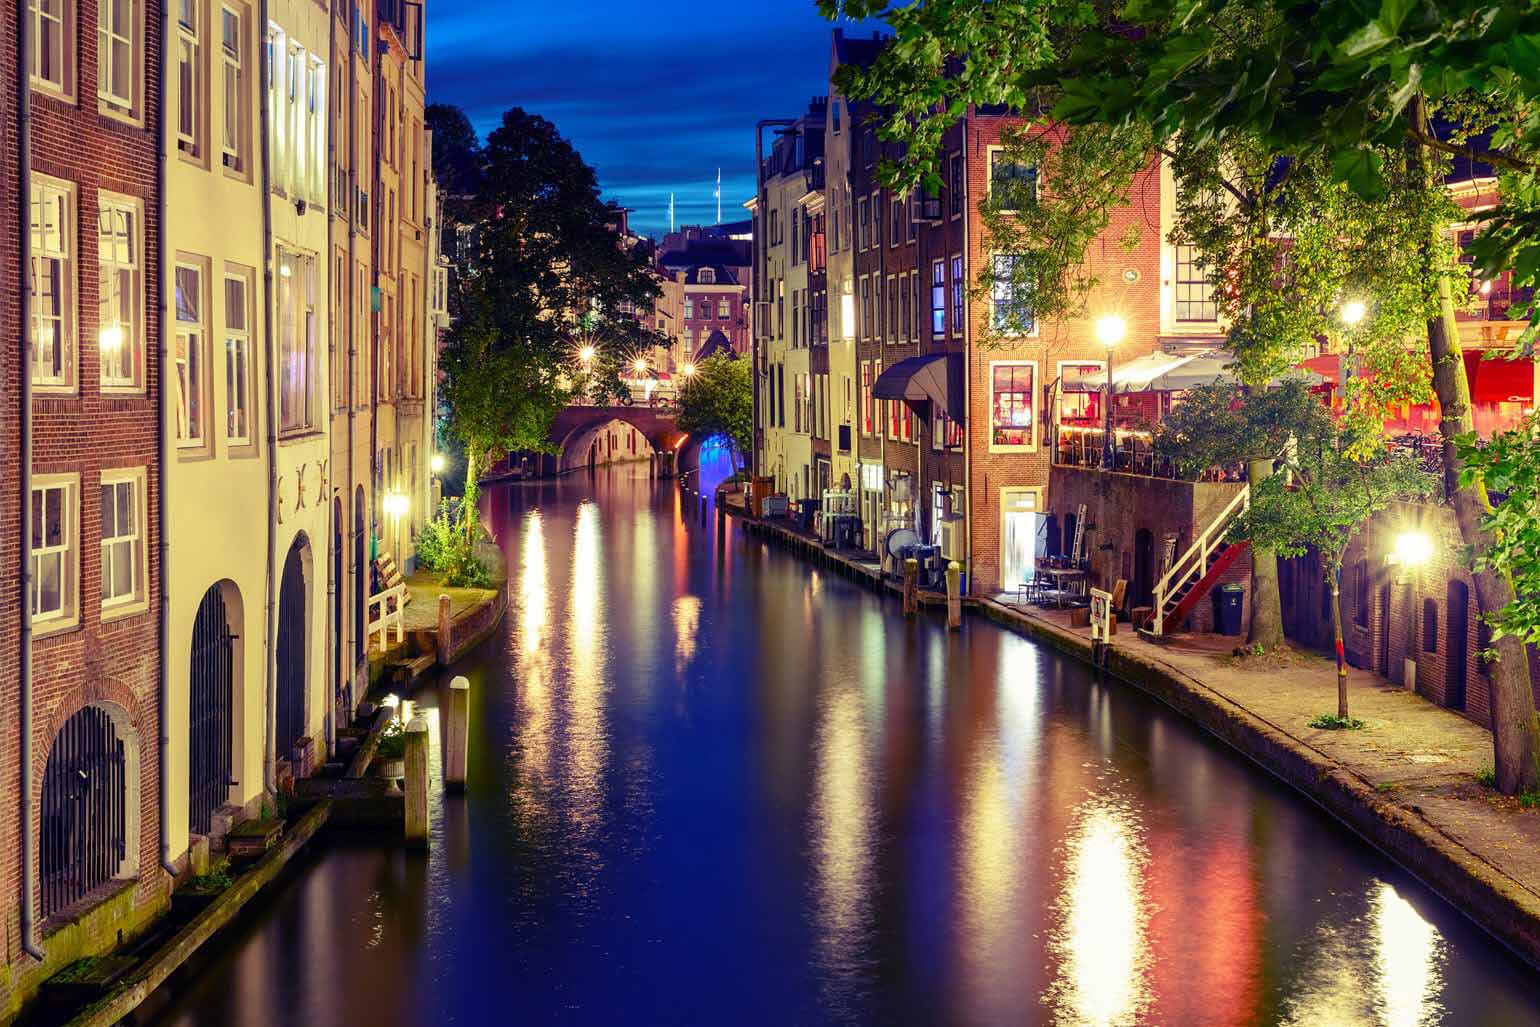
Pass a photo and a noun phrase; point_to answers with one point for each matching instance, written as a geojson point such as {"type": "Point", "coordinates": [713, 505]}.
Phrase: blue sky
{"type": "Point", "coordinates": [656, 96]}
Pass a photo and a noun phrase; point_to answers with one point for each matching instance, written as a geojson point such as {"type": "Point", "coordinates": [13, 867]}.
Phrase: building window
{"type": "Point", "coordinates": [863, 224]}
{"type": "Point", "coordinates": [896, 208]}
{"type": "Point", "coordinates": [938, 298]}
{"type": "Point", "coordinates": [1012, 310]}
{"type": "Point", "coordinates": [957, 185]}
{"type": "Point", "coordinates": [122, 537]}
{"type": "Point", "coordinates": [708, 276]}
{"type": "Point", "coordinates": [116, 74]}
{"type": "Point", "coordinates": [238, 359]}
{"type": "Point", "coordinates": [51, 48]}
{"type": "Point", "coordinates": [689, 310]}
{"type": "Point", "coordinates": [312, 172]}
{"type": "Point", "coordinates": [876, 239]}
{"type": "Point", "coordinates": [723, 310]}
{"type": "Point", "coordinates": [189, 83]}
{"type": "Point", "coordinates": [1429, 626]}
{"type": "Point", "coordinates": [120, 292]}
{"type": "Point", "coordinates": [53, 285]}
{"type": "Point", "coordinates": [233, 80]}
{"type": "Point", "coordinates": [55, 557]}
{"type": "Point", "coordinates": [866, 308]}
{"type": "Point", "coordinates": [892, 317]}
{"type": "Point", "coordinates": [189, 355]}
{"type": "Point", "coordinates": [959, 296]}
{"type": "Point", "coordinates": [1194, 294]}
{"type": "Point", "coordinates": [905, 316]}
{"type": "Point", "coordinates": [1011, 412]}
{"type": "Point", "coordinates": [1012, 185]}
{"type": "Point", "coordinates": [296, 342]}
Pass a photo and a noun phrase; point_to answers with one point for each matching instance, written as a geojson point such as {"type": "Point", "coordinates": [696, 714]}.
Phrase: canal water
{"type": "Point", "coordinates": [710, 784]}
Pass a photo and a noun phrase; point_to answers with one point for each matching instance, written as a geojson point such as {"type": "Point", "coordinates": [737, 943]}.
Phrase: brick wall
{"type": "Point", "coordinates": [115, 661]}
{"type": "Point", "coordinates": [1137, 302]}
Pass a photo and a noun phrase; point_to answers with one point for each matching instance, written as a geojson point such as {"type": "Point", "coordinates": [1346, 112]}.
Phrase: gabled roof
{"type": "Point", "coordinates": [715, 343]}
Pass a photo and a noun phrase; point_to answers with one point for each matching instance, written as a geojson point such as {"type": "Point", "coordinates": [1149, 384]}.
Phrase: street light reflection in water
{"type": "Point", "coordinates": [718, 794]}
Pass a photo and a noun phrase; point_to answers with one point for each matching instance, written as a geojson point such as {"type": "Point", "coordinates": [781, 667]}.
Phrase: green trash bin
{"type": "Point", "coordinates": [1232, 601]}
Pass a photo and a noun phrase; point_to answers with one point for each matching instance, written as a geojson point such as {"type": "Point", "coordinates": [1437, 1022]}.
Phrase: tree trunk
{"type": "Point", "coordinates": [1266, 627]}
{"type": "Point", "coordinates": [1336, 635]}
{"type": "Point", "coordinates": [1515, 731]}
{"type": "Point", "coordinates": [472, 490]}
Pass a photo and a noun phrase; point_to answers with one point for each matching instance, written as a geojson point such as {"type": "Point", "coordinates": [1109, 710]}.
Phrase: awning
{"type": "Point", "coordinates": [934, 378]}
{"type": "Point", "coordinates": [1164, 372]}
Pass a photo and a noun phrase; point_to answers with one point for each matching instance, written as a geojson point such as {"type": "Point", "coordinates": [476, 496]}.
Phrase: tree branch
{"type": "Point", "coordinates": [1490, 157]}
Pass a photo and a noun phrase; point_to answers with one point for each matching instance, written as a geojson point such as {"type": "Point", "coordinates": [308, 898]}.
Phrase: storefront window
{"type": "Point", "coordinates": [1011, 404]}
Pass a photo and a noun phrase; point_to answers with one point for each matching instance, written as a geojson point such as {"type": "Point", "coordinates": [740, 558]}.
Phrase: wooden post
{"type": "Point", "coordinates": [443, 630]}
{"type": "Point", "coordinates": [417, 783]}
{"type": "Point", "coordinates": [911, 587]}
{"type": "Point", "coordinates": [954, 595]}
{"type": "Point", "coordinates": [457, 723]}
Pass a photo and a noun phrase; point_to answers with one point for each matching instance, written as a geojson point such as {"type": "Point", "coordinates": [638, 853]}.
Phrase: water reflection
{"type": "Point", "coordinates": [1101, 939]}
{"type": "Point", "coordinates": [740, 792]}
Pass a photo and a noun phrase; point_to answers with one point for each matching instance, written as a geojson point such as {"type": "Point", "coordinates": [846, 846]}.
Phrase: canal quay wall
{"type": "Point", "coordinates": [1406, 784]}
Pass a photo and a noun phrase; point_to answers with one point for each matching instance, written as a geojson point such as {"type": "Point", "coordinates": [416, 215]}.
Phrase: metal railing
{"type": "Point", "coordinates": [1193, 564]}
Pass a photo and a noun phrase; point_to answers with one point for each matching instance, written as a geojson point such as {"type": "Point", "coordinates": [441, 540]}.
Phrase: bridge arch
{"type": "Point", "coordinates": [576, 428]}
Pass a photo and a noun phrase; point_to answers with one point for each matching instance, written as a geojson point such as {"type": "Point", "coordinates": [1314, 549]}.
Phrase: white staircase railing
{"type": "Point", "coordinates": [1193, 564]}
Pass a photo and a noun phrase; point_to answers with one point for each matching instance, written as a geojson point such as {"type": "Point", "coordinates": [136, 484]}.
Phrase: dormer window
{"type": "Point", "coordinates": [708, 276]}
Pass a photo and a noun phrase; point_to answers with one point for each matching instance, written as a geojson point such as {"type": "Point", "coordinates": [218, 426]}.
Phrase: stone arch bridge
{"type": "Point", "coordinates": [577, 427]}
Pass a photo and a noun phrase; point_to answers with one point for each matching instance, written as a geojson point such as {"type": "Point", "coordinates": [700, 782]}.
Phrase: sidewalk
{"type": "Point", "coordinates": [1406, 781]}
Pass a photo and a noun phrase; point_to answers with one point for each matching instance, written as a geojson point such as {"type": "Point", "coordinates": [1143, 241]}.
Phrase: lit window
{"type": "Point", "coordinates": [312, 172]}
{"type": "Point", "coordinates": [938, 298]}
{"type": "Point", "coordinates": [234, 83]}
{"type": "Point", "coordinates": [1012, 185]}
{"type": "Point", "coordinates": [188, 355]}
{"type": "Point", "coordinates": [1011, 414]}
{"type": "Point", "coordinates": [53, 285]}
{"type": "Point", "coordinates": [237, 360]}
{"type": "Point", "coordinates": [1012, 309]}
{"type": "Point", "coordinates": [723, 310]}
{"type": "Point", "coordinates": [689, 309]}
{"type": "Point", "coordinates": [55, 558]}
{"type": "Point", "coordinates": [116, 74]}
{"type": "Point", "coordinates": [189, 122]}
{"type": "Point", "coordinates": [122, 540]}
{"type": "Point", "coordinates": [120, 291]}
{"type": "Point", "coordinates": [296, 342]}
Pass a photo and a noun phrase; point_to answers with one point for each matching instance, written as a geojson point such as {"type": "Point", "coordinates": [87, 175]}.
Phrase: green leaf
{"type": "Point", "coordinates": [1362, 170]}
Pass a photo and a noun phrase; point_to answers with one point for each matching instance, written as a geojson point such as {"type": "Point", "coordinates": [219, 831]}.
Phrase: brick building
{"type": "Point", "coordinates": [90, 811]}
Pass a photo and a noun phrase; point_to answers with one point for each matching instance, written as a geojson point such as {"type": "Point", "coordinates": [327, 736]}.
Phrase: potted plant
{"type": "Point", "coordinates": [390, 754]}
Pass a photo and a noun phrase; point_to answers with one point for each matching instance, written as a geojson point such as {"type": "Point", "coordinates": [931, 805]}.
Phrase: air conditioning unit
{"type": "Point", "coordinates": [952, 539]}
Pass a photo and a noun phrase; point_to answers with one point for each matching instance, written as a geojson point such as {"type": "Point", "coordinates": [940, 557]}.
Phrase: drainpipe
{"type": "Point", "coordinates": [967, 373]}
{"type": "Point", "coordinates": [349, 658]}
{"type": "Point", "coordinates": [265, 196]}
{"type": "Point", "coordinates": [24, 610]}
{"type": "Point", "coordinates": [331, 312]}
{"type": "Point", "coordinates": [162, 462]}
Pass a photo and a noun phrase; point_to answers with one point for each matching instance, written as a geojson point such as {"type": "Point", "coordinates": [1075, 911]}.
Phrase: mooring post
{"type": "Point", "coordinates": [457, 724]}
{"type": "Point", "coordinates": [954, 595]}
{"type": "Point", "coordinates": [417, 783]}
{"type": "Point", "coordinates": [443, 630]}
{"type": "Point", "coordinates": [911, 587]}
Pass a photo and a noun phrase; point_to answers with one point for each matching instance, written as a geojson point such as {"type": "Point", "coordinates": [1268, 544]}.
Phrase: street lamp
{"type": "Point", "coordinates": [1353, 312]}
{"type": "Point", "coordinates": [586, 354]}
{"type": "Point", "coordinates": [688, 370]}
{"type": "Point", "coordinates": [1110, 329]}
{"type": "Point", "coordinates": [436, 463]}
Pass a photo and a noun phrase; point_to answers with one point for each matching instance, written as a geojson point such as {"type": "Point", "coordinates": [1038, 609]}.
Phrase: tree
{"type": "Point", "coordinates": [718, 399]}
{"type": "Point", "coordinates": [1323, 501]}
{"type": "Point", "coordinates": [1377, 98]}
{"type": "Point", "coordinates": [456, 150]}
{"type": "Point", "coordinates": [1509, 463]}
{"type": "Point", "coordinates": [545, 276]}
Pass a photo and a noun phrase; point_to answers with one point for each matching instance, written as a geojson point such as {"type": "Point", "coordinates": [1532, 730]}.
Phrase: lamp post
{"type": "Point", "coordinates": [1110, 329]}
{"type": "Point", "coordinates": [1352, 313]}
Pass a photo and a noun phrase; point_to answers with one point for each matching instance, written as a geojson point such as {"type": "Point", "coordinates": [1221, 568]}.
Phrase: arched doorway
{"type": "Point", "coordinates": [1457, 625]}
{"type": "Point", "coordinates": [360, 575]}
{"type": "Point", "coordinates": [211, 698]}
{"type": "Point", "coordinates": [340, 678]}
{"type": "Point", "coordinates": [85, 816]}
{"type": "Point", "coordinates": [290, 653]}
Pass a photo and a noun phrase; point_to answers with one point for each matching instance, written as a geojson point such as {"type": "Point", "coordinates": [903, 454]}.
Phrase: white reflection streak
{"type": "Point", "coordinates": [842, 831]}
{"type": "Point", "coordinates": [585, 714]}
{"type": "Point", "coordinates": [1407, 958]}
{"type": "Point", "coordinates": [686, 616]}
{"type": "Point", "coordinates": [533, 661]}
{"type": "Point", "coordinates": [1102, 942]}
